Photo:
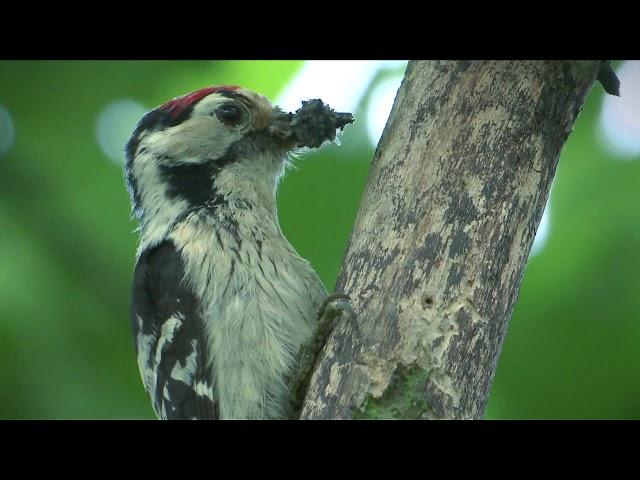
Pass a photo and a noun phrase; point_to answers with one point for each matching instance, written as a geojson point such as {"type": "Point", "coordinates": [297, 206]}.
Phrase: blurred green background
{"type": "Point", "coordinates": [68, 243]}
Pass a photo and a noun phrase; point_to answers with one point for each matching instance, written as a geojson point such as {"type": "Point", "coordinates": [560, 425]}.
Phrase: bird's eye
{"type": "Point", "coordinates": [229, 114]}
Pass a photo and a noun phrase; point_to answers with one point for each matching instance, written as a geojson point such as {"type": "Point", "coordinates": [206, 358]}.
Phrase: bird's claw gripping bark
{"type": "Point", "coordinates": [332, 307]}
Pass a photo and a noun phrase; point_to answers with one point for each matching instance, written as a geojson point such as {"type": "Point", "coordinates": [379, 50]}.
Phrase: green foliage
{"type": "Point", "coordinates": [68, 248]}
{"type": "Point", "coordinates": [573, 346]}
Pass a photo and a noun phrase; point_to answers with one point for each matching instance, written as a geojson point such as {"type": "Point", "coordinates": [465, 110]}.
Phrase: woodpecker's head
{"type": "Point", "coordinates": [214, 147]}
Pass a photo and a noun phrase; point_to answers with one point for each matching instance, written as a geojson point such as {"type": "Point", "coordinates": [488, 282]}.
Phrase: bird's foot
{"type": "Point", "coordinates": [334, 306]}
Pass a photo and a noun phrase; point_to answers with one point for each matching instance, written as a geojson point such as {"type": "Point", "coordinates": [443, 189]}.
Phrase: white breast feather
{"type": "Point", "coordinates": [258, 308]}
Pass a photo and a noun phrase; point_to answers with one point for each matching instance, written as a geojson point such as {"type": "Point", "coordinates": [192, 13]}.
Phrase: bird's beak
{"type": "Point", "coordinates": [310, 126]}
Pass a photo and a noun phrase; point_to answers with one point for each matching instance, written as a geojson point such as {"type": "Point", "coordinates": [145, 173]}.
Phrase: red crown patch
{"type": "Point", "coordinates": [179, 104]}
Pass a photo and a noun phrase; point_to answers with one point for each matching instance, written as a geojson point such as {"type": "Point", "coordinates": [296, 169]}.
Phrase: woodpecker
{"type": "Point", "coordinates": [222, 304]}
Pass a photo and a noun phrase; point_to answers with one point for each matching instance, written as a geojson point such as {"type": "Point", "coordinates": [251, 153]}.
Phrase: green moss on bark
{"type": "Point", "coordinates": [404, 399]}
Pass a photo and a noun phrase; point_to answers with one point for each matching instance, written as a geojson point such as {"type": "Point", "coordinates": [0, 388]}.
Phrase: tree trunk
{"type": "Point", "coordinates": [456, 191]}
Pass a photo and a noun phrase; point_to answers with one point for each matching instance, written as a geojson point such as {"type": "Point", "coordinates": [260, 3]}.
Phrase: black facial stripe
{"type": "Point", "coordinates": [154, 120]}
{"type": "Point", "coordinates": [194, 183]}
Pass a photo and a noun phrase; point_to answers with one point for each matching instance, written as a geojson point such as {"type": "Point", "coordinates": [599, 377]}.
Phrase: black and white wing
{"type": "Point", "coordinates": [170, 340]}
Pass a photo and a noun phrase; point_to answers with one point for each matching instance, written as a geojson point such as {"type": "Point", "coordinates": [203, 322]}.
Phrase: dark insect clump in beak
{"type": "Point", "coordinates": [310, 126]}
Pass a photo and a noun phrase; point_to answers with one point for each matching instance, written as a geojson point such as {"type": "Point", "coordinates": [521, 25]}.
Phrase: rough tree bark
{"type": "Point", "coordinates": [455, 194]}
